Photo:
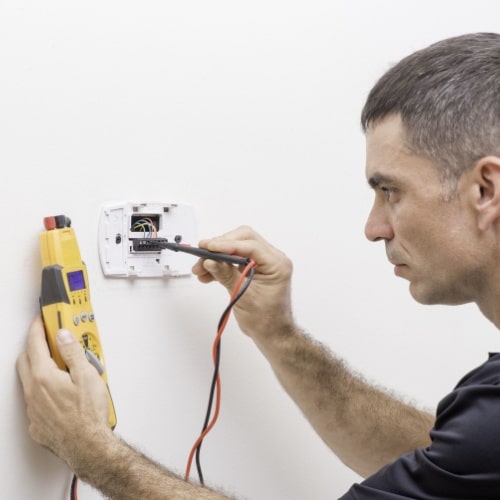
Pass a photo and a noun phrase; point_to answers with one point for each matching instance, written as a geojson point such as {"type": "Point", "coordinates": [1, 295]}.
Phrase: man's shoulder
{"type": "Point", "coordinates": [462, 460]}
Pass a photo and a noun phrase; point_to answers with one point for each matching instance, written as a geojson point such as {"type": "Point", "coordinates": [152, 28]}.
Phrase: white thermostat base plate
{"type": "Point", "coordinates": [121, 222]}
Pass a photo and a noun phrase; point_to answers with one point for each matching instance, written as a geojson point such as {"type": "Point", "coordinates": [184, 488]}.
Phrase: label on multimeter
{"type": "Point", "coordinates": [65, 297]}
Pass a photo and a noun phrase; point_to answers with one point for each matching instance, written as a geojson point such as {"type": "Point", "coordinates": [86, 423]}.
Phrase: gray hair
{"type": "Point", "coordinates": [448, 97]}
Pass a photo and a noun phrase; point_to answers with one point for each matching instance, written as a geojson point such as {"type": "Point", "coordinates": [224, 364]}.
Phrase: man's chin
{"type": "Point", "coordinates": [434, 296]}
{"type": "Point", "coordinates": [423, 294]}
{"type": "Point", "coordinates": [420, 297]}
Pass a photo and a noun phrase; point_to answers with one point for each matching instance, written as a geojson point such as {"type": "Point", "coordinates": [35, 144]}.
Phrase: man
{"type": "Point", "coordinates": [432, 127]}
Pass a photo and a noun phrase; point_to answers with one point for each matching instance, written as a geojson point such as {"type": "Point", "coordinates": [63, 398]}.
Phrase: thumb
{"type": "Point", "coordinates": [70, 349]}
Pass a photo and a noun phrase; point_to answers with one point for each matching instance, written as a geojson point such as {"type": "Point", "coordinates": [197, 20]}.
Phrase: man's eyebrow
{"type": "Point", "coordinates": [376, 179]}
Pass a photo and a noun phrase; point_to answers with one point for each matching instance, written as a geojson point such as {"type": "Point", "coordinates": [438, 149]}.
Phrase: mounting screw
{"type": "Point", "coordinates": [118, 238]}
{"type": "Point", "coordinates": [177, 238]}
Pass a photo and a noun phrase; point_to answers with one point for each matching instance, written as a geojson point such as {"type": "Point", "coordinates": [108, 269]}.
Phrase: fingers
{"type": "Point", "coordinates": [244, 242]}
{"type": "Point", "coordinates": [240, 242]}
{"type": "Point", "coordinates": [23, 370]}
{"type": "Point", "coordinates": [37, 356]}
{"type": "Point", "coordinates": [201, 273]}
{"type": "Point", "coordinates": [58, 402]}
{"type": "Point", "coordinates": [266, 306]}
{"type": "Point", "coordinates": [72, 354]}
{"type": "Point", "coordinates": [37, 348]}
{"type": "Point", "coordinates": [226, 274]}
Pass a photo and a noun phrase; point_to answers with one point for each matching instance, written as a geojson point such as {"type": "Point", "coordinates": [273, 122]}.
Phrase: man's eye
{"type": "Point", "coordinates": [388, 192]}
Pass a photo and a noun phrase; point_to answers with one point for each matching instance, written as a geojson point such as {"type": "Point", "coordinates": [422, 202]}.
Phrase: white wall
{"type": "Point", "coordinates": [250, 112]}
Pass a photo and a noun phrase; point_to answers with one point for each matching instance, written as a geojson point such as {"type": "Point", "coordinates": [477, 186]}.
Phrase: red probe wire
{"type": "Point", "coordinates": [215, 348]}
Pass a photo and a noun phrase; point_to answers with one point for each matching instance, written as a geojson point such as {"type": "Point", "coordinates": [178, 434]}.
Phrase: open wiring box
{"type": "Point", "coordinates": [122, 223]}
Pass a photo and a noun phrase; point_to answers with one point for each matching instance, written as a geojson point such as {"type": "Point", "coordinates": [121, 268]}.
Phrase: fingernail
{"type": "Point", "coordinates": [65, 337]}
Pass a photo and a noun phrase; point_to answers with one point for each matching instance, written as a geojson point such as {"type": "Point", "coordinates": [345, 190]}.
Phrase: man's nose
{"type": "Point", "coordinates": [378, 226]}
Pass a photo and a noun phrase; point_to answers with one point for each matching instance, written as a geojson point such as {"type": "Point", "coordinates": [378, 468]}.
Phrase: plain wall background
{"type": "Point", "coordinates": [249, 111]}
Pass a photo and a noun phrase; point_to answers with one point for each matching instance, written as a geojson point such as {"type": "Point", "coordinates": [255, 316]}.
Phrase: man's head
{"type": "Point", "coordinates": [432, 127]}
{"type": "Point", "coordinates": [448, 98]}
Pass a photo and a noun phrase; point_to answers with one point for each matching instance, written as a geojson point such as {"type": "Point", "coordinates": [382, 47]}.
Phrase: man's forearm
{"type": "Point", "coordinates": [364, 426]}
{"type": "Point", "coordinates": [122, 473]}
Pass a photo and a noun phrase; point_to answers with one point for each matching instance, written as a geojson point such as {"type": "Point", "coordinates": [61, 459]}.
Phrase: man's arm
{"type": "Point", "coordinates": [364, 426]}
{"type": "Point", "coordinates": [122, 473]}
{"type": "Point", "coordinates": [68, 413]}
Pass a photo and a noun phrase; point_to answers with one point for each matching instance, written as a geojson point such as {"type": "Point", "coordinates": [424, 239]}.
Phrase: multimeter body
{"type": "Point", "coordinates": [65, 296]}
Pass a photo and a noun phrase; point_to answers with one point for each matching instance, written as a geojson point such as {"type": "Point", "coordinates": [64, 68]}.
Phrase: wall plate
{"type": "Point", "coordinates": [121, 222]}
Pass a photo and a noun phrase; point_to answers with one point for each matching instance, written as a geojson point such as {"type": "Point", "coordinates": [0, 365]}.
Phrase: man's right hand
{"type": "Point", "coordinates": [265, 308]}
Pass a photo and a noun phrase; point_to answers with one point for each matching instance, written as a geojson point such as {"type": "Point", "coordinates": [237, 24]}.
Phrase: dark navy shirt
{"type": "Point", "coordinates": [463, 460]}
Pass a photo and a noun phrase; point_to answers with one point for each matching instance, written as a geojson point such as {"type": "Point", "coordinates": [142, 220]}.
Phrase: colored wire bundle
{"type": "Point", "coordinates": [146, 225]}
{"type": "Point", "coordinates": [215, 388]}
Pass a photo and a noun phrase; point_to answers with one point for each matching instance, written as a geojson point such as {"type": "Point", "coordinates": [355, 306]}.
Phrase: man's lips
{"type": "Point", "coordinates": [399, 268]}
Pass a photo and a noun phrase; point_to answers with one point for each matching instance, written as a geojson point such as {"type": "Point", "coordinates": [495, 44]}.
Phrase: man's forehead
{"type": "Point", "coordinates": [385, 160]}
{"type": "Point", "coordinates": [385, 137]}
{"type": "Point", "coordinates": [386, 152]}
{"type": "Point", "coordinates": [389, 126]}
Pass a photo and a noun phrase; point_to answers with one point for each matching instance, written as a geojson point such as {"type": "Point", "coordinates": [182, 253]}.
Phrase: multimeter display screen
{"type": "Point", "coordinates": [76, 280]}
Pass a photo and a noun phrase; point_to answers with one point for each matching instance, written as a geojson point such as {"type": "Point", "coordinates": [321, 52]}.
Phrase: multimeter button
{"type": "Point", "coordinates": [83, 316]}
{"type": "Point", "coordinates": [91, 316]}
{"type": "Point", "coordinates": [76, 320]}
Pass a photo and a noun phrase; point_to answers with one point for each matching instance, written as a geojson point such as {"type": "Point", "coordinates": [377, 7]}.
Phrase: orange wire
{"type": "Point", "coordinates": [74, 488]}
{"type": "Point", "coordinates": [217, 382]}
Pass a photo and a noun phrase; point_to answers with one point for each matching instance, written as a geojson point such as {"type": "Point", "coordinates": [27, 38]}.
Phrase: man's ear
{"type": "Point", "coordinates": [486, 178]}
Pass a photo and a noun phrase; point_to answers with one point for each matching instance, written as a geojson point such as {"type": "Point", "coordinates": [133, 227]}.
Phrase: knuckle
{"type": "Point", "coordinates": [243, 232]}
{"type": "Point", "coordinates": [287, 264]}
{"type": "Point", "coordinates": [40, 378]}
{"type": "Point", "coordinates": [245, 228]}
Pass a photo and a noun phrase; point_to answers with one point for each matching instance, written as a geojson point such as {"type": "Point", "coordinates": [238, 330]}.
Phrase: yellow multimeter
{"type": "Point", "coordinates": [65, 296]}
